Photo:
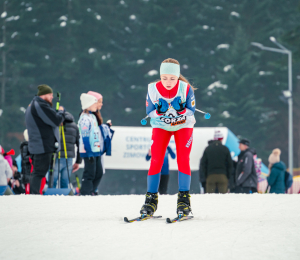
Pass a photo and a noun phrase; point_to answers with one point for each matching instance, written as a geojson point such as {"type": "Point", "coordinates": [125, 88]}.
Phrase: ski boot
{"type": "Point", "coordinates": [183, 204]}
{"type": "Point", "coordinates": [150, 205]}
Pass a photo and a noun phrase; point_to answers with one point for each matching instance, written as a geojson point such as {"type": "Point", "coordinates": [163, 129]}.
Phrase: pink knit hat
{"type": "Point", "coordinates": [95, 94]}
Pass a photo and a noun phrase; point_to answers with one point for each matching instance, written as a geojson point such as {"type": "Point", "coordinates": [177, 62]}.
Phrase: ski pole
{"type": "Point", "coordinates": [66, 155]}
{"type": "Point", "coordinates": [206, 115]}
{"type": "Point", "coordinates": [58, 184]}
{"type": "Point", "coordinates": [56, 146]}
{"type": "Point", "coordinates": [144, 120]}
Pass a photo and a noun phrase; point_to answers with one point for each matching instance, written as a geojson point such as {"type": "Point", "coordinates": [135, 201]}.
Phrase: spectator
{"type": "Point", "coordinates": [202, 177]}
{"type": "Point", "coordinates": [164, 177]}
{"type": "Point", "coordinates": [71, 138]}
{"type": "Point", "coordinates": [89, 145]}
{"type": "Point", "coordinates": [7, 156]}
{"type": "Point", "coordinates": [26, 162]}
{"type": "Point", "coordinates": [42, 122]}
{"type": "Point", "coordinates": [105, 130]}
{"type": "Point", "coordinates": [15, 182]}
{"type": "Point", "coordinates": [245, 175]}
{"type": "Point", "coordinates": [217, 165]}
{"type": "Point", "coordinates": [276, 178]}
{"type": "Point", "coordinates": [5, 170]}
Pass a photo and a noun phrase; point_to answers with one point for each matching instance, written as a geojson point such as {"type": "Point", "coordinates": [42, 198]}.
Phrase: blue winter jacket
{"type": "Point", "coordinates": [276, 178]}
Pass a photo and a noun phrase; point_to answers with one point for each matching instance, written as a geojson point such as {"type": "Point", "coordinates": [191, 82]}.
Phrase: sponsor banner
{"type": "Point", "coordinates": [130, 146]}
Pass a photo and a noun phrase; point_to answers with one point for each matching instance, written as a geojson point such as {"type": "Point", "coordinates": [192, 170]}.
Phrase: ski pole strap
{"type": "Point", "coordinates": [64, 141]}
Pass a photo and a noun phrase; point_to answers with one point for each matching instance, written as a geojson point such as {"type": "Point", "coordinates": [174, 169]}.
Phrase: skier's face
{"type": "Point", "coordinates": [168, 81]}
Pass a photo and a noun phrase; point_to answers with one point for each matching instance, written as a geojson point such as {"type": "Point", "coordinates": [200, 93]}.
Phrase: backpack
{"type": "Point", "coordinates": [288, 180]}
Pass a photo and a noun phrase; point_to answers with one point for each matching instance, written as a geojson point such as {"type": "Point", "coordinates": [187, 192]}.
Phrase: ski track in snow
{"type": "Point", "coordinates": [258, 226]}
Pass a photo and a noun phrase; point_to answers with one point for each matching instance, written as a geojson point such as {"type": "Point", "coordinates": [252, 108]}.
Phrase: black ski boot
{"type": "Point", "coordinates": [150, 205]}
{"type": "Point", "coordinates": [183, 203]}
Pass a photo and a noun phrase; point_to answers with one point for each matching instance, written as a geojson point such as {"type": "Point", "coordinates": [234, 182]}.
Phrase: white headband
{"type": "Point", "coordinates": [170, 68]}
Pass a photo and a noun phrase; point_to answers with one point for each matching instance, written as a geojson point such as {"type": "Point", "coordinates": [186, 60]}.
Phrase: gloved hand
{"type": "Point", "coordinates": [177, 105]}
{"type": "Point", "coordinates": [91, 159]}
{"type": "Point", "coordinates": [162, 106]}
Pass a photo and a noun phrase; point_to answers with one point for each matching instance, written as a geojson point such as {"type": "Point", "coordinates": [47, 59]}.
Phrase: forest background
{"type": "Point", "coordinates": [116, 47]}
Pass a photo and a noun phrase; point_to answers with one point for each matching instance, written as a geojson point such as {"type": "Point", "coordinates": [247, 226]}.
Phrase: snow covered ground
{"type": "Point", "coordinates": [225, 227]}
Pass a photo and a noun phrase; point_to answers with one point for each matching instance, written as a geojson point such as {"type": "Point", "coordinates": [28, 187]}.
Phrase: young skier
{"type": "Point", "coordinates": [89, 145]}
{"type": "Point", "coordinates": [171, 105]}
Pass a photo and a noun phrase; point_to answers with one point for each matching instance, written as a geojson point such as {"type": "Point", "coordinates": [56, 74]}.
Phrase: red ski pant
{"type": "Point", "coordinates": [160, 140]}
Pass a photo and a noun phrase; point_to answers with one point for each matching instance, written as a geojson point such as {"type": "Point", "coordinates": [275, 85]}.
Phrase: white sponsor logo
{"type": "Point", "coordinates": [189, 142]}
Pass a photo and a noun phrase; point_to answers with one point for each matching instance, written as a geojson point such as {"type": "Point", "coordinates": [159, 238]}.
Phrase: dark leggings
{"type": "Point", "coordinates": [91, 176]}
{"type": "Point", "coordinates": [163, 185]}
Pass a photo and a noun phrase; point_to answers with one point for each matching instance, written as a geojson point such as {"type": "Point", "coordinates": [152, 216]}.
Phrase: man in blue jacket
{"type": "Point", "coordinates": [42, 123]}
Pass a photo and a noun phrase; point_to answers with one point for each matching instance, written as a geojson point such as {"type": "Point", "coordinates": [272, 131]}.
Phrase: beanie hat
{"type": "Point", "coordinates": [245, 142]}
{"type": "Point", "coordinates": [44, 90]}
{"type": "Point", "coordinates": [274, 156]}
{"type": "Point", "coordinates": [218, 135]}
{"type": "Point", "coordinates": [26, 137]}
{"type": "Point", "coordinates": [95, 94]}
{"type": "Point", "coordinates": [87, 101]}
{"type": "Point", "coordinates": [170, 68]}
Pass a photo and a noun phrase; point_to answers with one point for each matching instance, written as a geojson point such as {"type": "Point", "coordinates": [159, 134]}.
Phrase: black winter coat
{"type": "Point", "coordinates": [71, 137]}
{"type": "Point", "coordinates": [216, 160]}
{"type": "Point", "coordinates": [26, 164]}
{"type": "Point", "coordinates": [42, 123]}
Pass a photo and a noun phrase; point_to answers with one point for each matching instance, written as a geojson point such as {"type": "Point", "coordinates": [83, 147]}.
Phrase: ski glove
{"type": "Point", "coordinates": [162, 106]}
{"type": "Point", "coordinates": [91, 159]}
{"type": "Point", "coordinates": [177, 105]}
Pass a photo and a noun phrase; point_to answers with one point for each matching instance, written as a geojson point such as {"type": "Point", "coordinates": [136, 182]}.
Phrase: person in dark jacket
{"type": "Point", "coordinates": [26, 162]}
{"type": "Point", "coordinates": [42, 123]}
{"type": "Point", "coordinates": [202, 177]}
{"type": "Point", "coordinates": [71, 134]}
{"type": "Point", "coordinates": [216, 164]}
{"type": "Point", "coordinates": [276, 178]}
{"type": "Point", "coordinates": [164, 177]}
{"type": "Point", "coordinates": [245, 174]}
{"type": "Point", "coordinates": [15, 182]}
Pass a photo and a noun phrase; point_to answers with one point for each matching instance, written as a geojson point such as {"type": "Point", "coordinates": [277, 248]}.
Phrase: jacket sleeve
{"type": "Point", "coordinates": [8, 170]}
{"type": "Point", "coordinates": [272, 177]}
{"type": "Point", "coordinates": [203, 164]}
{"type": "Point", "coordinates": [190, 103]}
{"type": "Point", "coordinates": [49, 115]}
{"type": "Point", "coordinates": [247, 169]}
{"type": "Point", "coordinates": [229, 164]}
{"type": "Point", "coordinates": [78, 158]}
{"type": "Point", "coordinates": [172, 154]}
{"type": "Point", "coordinates": [150, 107]}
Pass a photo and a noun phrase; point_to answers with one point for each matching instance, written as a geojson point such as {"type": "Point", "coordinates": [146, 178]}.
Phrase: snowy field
{"type": "Point", "coordinates": [225, 227]}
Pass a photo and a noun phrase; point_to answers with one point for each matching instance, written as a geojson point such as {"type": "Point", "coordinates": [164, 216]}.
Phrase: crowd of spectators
{"type": "Point", "coordinates": [52, 140]}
